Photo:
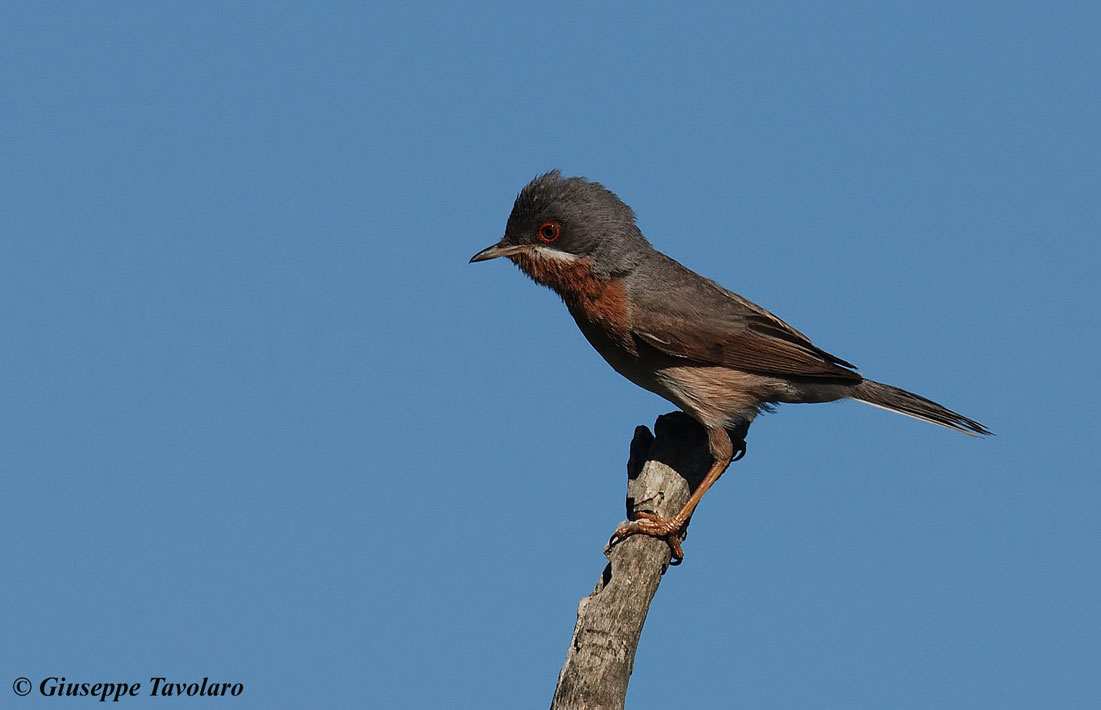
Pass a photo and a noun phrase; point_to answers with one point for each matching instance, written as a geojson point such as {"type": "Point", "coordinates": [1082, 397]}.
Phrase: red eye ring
{"type": "Point", "coordinates": [549, 231]}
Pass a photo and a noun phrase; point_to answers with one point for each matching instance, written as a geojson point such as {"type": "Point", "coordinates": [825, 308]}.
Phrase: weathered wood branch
{"type": "Point", "coordinates": [662, 471]}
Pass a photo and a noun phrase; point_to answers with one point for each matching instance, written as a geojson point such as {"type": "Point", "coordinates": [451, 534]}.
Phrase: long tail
{"type": "Point", "coordinates": [899, 400]}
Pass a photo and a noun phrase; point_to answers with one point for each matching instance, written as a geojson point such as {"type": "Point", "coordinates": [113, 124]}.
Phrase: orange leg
{"type": "Point", "coordinates": [722, 450]}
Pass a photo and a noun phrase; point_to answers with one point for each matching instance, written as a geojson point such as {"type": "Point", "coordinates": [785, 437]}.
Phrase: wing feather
{"type": "Point", "coordinates": [725, 329]}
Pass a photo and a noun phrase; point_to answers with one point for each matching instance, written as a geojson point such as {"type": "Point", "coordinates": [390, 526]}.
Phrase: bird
{"type": "Point", "coordinates": [719, 357]}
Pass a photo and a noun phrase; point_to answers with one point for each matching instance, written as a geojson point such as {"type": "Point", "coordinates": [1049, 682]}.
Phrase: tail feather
{"type": "Point", "coordinates": [899, 400]}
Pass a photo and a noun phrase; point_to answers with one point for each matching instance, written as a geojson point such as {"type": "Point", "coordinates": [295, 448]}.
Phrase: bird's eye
{"type": "Point", "coordinates": [549, 231]}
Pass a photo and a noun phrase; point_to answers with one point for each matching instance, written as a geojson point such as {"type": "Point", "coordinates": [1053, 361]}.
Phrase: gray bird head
{"type": "Point", "coordinates": [572, 217]}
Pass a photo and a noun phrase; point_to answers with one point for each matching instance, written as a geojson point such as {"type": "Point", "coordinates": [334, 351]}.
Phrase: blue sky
{"type": "Point", "coordinates": [263, 423]}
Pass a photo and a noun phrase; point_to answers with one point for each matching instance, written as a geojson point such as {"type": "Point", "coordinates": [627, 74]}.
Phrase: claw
{"type": "Point", "coordinates": [667, 529]}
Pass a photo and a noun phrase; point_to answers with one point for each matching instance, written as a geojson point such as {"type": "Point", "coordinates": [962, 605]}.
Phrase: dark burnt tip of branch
{"type": "Point", "coordinates": [640, 452]}
{"type": "Point", "coordinates": [681, 444]}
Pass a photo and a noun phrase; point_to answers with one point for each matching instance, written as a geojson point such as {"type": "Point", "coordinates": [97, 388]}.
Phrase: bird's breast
{"type": "Point", "coordinates": [600, 306]}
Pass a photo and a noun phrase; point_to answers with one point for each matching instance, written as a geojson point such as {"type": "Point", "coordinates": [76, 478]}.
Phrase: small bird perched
{"type": "Point", "coordinates": [719, 357]}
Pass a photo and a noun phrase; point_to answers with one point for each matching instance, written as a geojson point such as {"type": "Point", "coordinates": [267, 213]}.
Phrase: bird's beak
{"type": "Point", "coordinates": [498, 249]}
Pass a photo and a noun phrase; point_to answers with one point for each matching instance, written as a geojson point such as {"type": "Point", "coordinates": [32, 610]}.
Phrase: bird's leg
{"type": "Point", "coordinates": [669, 529]}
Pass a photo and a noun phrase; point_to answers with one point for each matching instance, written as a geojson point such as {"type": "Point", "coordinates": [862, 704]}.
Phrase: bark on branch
{"type": "Point", "coordinates": [663, 470]}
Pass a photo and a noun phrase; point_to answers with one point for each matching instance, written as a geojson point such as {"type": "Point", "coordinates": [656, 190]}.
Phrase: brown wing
{"type": "Point", "coordinates": [685, 315]}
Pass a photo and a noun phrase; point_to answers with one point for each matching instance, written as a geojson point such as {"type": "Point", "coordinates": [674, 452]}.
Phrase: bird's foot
{"type": "Point", "coordinates": [737, 440]}
{"type": "Point", "coordinates": [667, 529]}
